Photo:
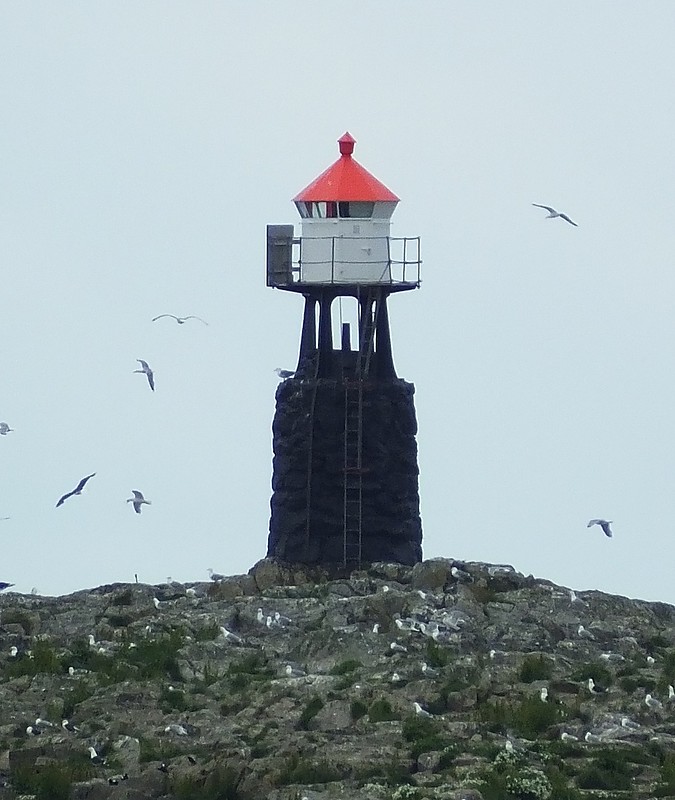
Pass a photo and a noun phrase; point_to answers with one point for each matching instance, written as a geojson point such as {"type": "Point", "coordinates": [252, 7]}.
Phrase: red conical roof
{"type": "Point", "coordinates": [345, 180]}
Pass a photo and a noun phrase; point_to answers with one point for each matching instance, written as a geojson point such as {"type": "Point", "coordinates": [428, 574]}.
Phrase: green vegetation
{"type": "Point", "coordinates": [220, 784]}
{"type": "Point", "coordinates": [207, 633]}
{"type": "Point", "coordinates": [311, 709]}
{"type": "Point", "coordinates": [51, 781]}
{"type": "Point", "coordinates": [381, 711]}
{"type": "Point", "coordinates": [125, 598]}
{"type": "Point", "coordinates": [535, 668]}
{"type": "Point", "coordinates": [15, 616]}
{"type": "Point", "coordinates": [425, 735]}
{"type": "Point", "coordinates": [358, 709]}
{"type": "Point", "coordinates": [346, 667]}
{"type": "Point", "coordinates": [43, 659]}
{"type": "Point", "coordinates": [302, 770]}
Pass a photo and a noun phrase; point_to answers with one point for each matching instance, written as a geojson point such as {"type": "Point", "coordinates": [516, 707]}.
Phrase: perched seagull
{"type": "Point", "coordinates": [284, 373]}
{"type": "Point", "coordinates": [145, 369]}
{"type": "Point", "coordinates": [31, 731]}
{"type": "Point", "coordinates": [216, 577]}
{"type": "Point", "coordinates": [651, 660]}
{"type": "Point", "coordinates": [594, 688]}
{"type": "Point", "coordinates": [421, 712]}
{"type": "Point", "coordinates": [231, 637]}
{"type": "Point", "coordinates": [543, 694]}
{"type": "Point", "coordinates": [552, 213]}
{"type": "Point", "coordinates": [76, 490]}
{"type": "Point", "coordinates": [138, 500]}
{"type": "Point", "coordinates": [294, 672]}
{"type": "Point", "coordinates": [95, 757]}
{"type": "Point", "coordinates": [163, 768]}
{"type": "Point", "coordinates": [156, 602]}
{"type": "Point", "coordinates": [592, 738]}
{"type": "Point", "coordinates": [568, 737]}
{"type": "Point", "coordinates": [461, 575]}
{"type": "Point", "coordinates": [280, 619]}
{"type": "Point", "coordinates": [180, 320]}
{"type": "Point", "coordinates": [259, 616]}
{"type": "Point", "coordinates": [671, 692]}
{"type": "Point", "coordinates": [395, 647]}
{"type": "Point", "coordinates": [5, 429]}
{"type": "Point", "coordinates": [604, 524]}
{"type": "Point", "coordinates": [584, 634]}
{"type": "Point", "coordinates": [652, 702]}
{"type": "Point", "coordinates": [627, 722]}
{"type": "Point", "coordinates": [4, 585]}
{"type": "Point", "coordinates": [68, 726]}
{"type": "Point", "coordinates": [179, 730]}
{"type": "Point", "coordinates": [376, 627]}
{"type": "Point", "coordinates": [13, 651]}
{"type": "Point", "coordinates": [430, 672]}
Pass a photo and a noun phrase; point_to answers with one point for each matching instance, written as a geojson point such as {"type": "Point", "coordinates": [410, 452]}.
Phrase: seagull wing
{"type": "Point", "coordinates": [154, 319]}
{"type": "Point", "coordinates": [548, 208]}
{"type": "Point", "coordinates": [567, 219]}
{"type": "Point", "coordinates": [192, 316]}
{"type": "Point", "coordinates": [137, 507]}
{"type": "Point", "coordinates": [607, 530]}
{"type": "Point", "coordinates": [80, 485]}
{"type": "Point", "coordinates": [593, 522]}
{"type": "Point", "coordinates": [64, 498]}
{"type": "Point", "coordinates": [151, 379]}
{"type": "Point", "coordinates": [138, 495]}
{"type": "Point", "coordinates": [144, 364]}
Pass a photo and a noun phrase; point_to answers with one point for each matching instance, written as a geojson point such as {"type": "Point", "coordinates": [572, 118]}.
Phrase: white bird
{"type": "Point", "coordinates": [508, 746]}
{"type": "Point", "coordinates": [568, 737]}
{"type": "Point", "coordinates": [584, 634]}
{"type": "Point", "coordinates": [294, 672]}
{"type": "Point", "coordinates": [145, 369]}
{"type": "Point", "coordinates": [395, 647]}
{"type": "Point", "coordinates": [592, 738]}
{"type": "Point", "coordinates": [652, 702]}
{"type": "Point", "coordinates": [396, 678]}
{"type": "Point", "coordinates": [284, 374]}
{"type": "Point", "coordinates": [231, 637]}
{"type": "Point", "coordinates": [280, 619]}
{"type": "Point", "coordinates": [179, 730]}
{"type": "Point", "coordinates": [68, 726]}
{"type": "Point", "coordinates": [628, 723]}
{"type": "Point", "coordinates": [461, 575]}
{"type": "Point", "coordinates": [91, 640]}
{"type": "Point", "coordinates": [552, 213]}
{"type": "Point", "coordinates": [651, 660]}
{"type": "Point", "coordinates": [95, 757]}
{"type": "Point", "coordinates": [76, 490]}
{"type": "Point", "coordinates": [376, 627]}
{"type": "Point", "coordinates": [180, 320]}
{"type": "Point", "coordinates": [31, 731]}
{"type": "Point", "coordinates": [612, 657]}
{"type": "Point", "coordinates": [604, 524]}
{"type": "Point", "coordinates": [543, 694]}
{"type": "Point", "coordinates": [671, 692]}
{"type": "Point", "coordinates": [421, 712]}
{"type": "Point", "coordinates": [430, 672]}
{"type": "Point", "coordinates": [43, 723]}
{"type": "Point", "coordinates": [5, 429]}
{"type": "Point", "coordinates": [259, 616]}
{"type": "Point", "coordinates": [13, 651]}
{"type": "Point", "coordinates": [216, 577]}
{"type": "Point", "coordinates": [138, 500]}
{"type": "Point", "coordinates": [156, 602]}
{"type": "Point", "coordinates": [593, 688]}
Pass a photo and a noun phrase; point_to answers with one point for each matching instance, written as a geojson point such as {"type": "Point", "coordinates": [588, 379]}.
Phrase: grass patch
{"type": "Point", "coordinates": [311, 709]}
{"type": "Point", "coordinates": [346, 667]}
{"type": "Point", "coordinates": [303, 770]}
{"type": "Point", "coordinates": [220, 784]}
{"type": "Point", "coordinates": [381, 711]}
{"type": "Point", "coordinates": [358, 709]}
{"type": "Point", "coordinates": [125, 598]}
{"type": "Point", "coordinates": [535, 668]}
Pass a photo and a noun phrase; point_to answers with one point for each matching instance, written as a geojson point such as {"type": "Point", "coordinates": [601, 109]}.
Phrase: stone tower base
{"type": "Point", "coordinates": [307, 519]}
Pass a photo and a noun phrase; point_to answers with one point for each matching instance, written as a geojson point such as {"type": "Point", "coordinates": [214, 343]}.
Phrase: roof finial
{"type": "Point", "coordinates": [346, 142]}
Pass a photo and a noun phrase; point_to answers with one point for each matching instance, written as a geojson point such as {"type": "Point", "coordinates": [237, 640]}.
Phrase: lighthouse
{"type": "Point", "coordinates": [345, 475]}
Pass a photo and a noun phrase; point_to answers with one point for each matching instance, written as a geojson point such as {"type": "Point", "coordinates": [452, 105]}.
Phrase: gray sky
{"type": "Point", "coordinates": [145, 146]}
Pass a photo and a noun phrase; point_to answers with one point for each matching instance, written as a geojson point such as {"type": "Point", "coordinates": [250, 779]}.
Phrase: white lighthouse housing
{"type": "Point", "coordinates": [345, 233]}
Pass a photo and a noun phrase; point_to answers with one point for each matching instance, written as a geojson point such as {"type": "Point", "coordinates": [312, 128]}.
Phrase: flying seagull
{"type": "Point", "coordinates": [284, 373]}
{"type": "Point", "coordinates": [76, 490]}
{"type": "Point", "coordinates": [138, 500]}
{"type": "Point", "coordinates": [4, 586]}
{"type": "Point", "coordinates": [604, 524]}
{"type": "Point", "coordinates": [552, 213]}
{"type": "Point", "coordinates": [180, 320]}
{"type": "Point", "coordinates": [147, 371]}
{"type": "Point", "coordinates": [5, 429]}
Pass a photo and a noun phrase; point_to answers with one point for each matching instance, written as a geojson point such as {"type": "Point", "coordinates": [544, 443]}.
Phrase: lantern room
{"type": "Point", "coordinates": [344, 234]}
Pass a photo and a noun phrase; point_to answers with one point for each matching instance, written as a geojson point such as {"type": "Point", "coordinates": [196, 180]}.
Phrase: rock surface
{"type": "Point", "coordinates": [310, 689]}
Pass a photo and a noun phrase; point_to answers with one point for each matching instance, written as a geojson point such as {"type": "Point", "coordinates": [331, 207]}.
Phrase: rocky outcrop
{"type": "Point", "coordinates": [441, 680]}
{"type": "Point", "coordinates": [308, 501]}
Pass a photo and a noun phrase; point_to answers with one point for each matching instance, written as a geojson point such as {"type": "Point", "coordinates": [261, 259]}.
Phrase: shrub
{"type": "Point", "coordinates": [595, 670]}
{"type": "Point", "coordinates": [220, 784]}
{"type": "Point", "coordinates": [311, 709]}
{"type": "Point", "coordinates": [358, 709]}
{"type": "Point", "coordinates": [43, 659]}
{"type": "Point", "coordinates": [345, 667]}
{"type": "Point", "coordinates": [300, 770]}
{"type": "Point", "coordinates": [208, 633]}
{"type": "Point", "coordinates": [125, 598]}
{"type": "Point", "coordinates": [535, 668]}
{"type": "Point", "coordinates": [381, 711]}
{"type": "Point", "coordinates": [532, 717]}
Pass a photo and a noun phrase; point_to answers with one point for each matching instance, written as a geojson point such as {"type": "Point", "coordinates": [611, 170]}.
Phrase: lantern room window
{"type": "Point", "coordinates": [357, 209]}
